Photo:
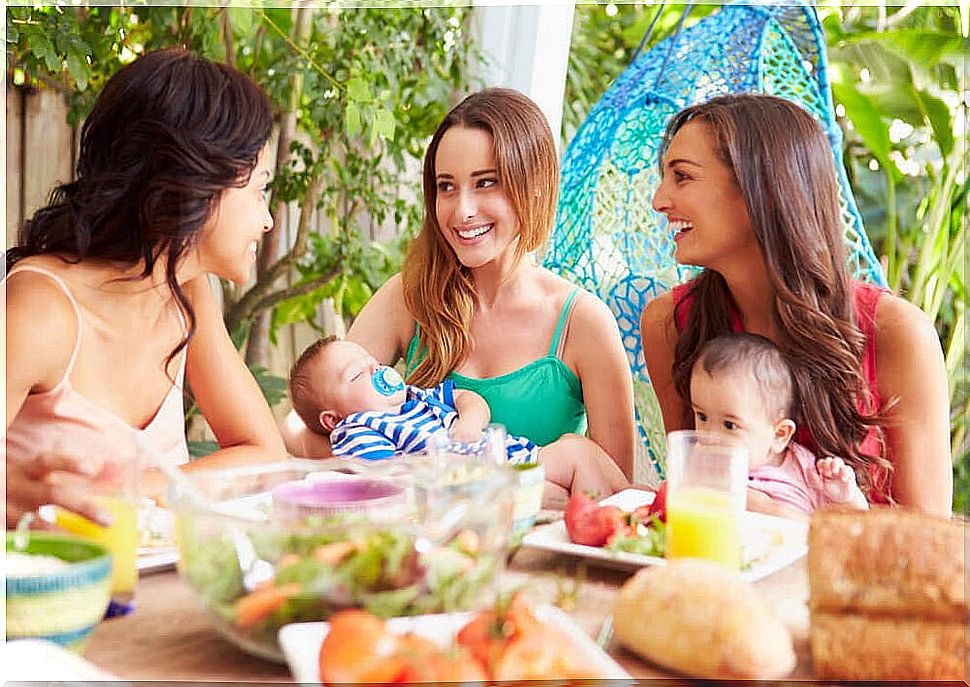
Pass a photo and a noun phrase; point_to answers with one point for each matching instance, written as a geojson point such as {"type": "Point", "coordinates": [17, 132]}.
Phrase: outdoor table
{"type": "Point", "coordinates": [171, 637]}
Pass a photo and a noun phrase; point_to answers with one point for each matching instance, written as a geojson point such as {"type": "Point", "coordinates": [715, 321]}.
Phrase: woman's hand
{"type": "Point", "coordinates": [301, 441]}
{"type": "Point", "coordinates": [54, 478]}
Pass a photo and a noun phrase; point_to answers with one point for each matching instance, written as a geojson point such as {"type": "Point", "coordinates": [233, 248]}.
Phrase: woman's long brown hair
{"type": "Point", "coordinates": [783, 167]}
{"type": "Point", "coordinates": [438, 290]}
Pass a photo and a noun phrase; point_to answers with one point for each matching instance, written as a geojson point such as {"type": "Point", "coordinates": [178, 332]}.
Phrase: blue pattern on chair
{"type": "Point", "coordinates": [607, 237]}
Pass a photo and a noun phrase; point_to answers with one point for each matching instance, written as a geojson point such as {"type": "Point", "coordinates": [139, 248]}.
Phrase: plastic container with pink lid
{"type": "Point", "coordinates": [323, 494]}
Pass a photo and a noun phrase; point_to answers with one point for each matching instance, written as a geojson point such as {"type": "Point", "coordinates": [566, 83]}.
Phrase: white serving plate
{"type": "Point", "coordinates": [772, 542]}
{"type": "Point", "coordinates": [301, 641]}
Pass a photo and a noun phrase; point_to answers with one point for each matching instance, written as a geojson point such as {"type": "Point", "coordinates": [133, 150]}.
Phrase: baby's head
{"type": "Point", "coordinates": [334, 378]}
{"type": "Point", "coordinates": [741, 386]}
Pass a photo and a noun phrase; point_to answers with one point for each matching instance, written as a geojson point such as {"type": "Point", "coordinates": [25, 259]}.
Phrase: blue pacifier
{"type": "Point", "coordinates": [387, 381]}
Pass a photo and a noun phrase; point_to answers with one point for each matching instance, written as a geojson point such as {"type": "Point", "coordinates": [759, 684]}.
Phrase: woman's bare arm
{"type": "Point", "coordinates": [910, 368]}
{"type": "Point", "coordinates": [601, 364]}
{"type": "Point", "coordinates": [659, 337]}
{"type": "Point", "coordinates": [224, 388]}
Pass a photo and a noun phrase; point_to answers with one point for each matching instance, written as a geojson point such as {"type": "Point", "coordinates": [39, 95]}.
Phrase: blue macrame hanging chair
{"type": "Point", "coordinates": [607, 237]}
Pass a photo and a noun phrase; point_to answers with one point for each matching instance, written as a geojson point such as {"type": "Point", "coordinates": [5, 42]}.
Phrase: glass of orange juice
{"type": "Point", "coordinates": [115, 490]}
{"type": "Point", "coordinates": [706, 489]}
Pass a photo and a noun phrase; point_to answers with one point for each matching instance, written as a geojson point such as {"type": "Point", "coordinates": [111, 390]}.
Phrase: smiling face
{"type": "Point", "coordinates": [472, 208]}
{"type": "Point", "coordinates": [733, 405]}
{"type": "Point", "coordinates": [344, 369]}
{"type": "Point", "coordinates": [702, 202]}
{"type": "Point", "coordinates": [239, 219]}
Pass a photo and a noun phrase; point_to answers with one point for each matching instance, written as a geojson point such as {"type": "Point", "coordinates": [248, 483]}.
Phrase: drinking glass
{"type": "Point", "coordinates": [489, 446]}
{"type": "Point", "coordinates": [706, 489]}
{"type": "Point", "coordinates": [114, 489]}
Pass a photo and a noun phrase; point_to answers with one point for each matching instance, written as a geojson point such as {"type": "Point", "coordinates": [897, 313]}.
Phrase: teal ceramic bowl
{"type": "Point", "coordinates": [63, 606]}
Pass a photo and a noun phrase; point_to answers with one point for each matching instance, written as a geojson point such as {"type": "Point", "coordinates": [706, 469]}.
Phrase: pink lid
{"type": "Point", "coordinates": [337, 496]}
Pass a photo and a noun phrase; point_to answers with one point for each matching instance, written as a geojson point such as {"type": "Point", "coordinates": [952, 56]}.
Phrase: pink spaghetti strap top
{"type": "Point", "coordinates": [865, 300]}
{"type": "Point", "coordinates": [64, 420]}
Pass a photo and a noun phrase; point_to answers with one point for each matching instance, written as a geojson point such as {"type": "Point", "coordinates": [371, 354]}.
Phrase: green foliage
{"type": "Point", "coordinates": [365, 88]}
{"type": "Point", "coordinates": [366, 265]}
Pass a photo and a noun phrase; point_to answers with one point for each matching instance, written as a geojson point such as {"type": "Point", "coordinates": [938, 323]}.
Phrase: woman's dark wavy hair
{"type": "Point", "coordinates": [168, 134]}
{"type": "Point", "coordinates": [783, 167]}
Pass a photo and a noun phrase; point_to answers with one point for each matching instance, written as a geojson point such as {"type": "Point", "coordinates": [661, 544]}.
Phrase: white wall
{"type": "Point", "coordinates": [527, 48]}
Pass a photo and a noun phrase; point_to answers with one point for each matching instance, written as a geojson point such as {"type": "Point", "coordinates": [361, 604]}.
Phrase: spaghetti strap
{"type": "Point", "coordinates": [77, 310]}
{"type": "Point", "coordinates": [557, 336]}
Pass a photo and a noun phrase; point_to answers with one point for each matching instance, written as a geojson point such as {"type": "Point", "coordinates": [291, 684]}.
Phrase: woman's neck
{"type": "Point", "coordinates": [497, 282]}
{"type": "Point", "coordinates": [754, 296]}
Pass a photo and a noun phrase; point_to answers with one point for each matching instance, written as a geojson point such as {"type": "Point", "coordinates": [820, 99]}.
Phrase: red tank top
{"type": "Point", "coordinates": [865, 299]}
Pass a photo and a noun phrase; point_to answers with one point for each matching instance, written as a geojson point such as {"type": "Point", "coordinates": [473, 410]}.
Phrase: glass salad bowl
{"type": "Point", "coordinates": [267, 545]}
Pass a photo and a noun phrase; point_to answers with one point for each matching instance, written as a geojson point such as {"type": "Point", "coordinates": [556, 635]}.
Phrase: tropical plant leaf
{"type": "Point", "coordinates": [921, 47]}
{"type": "Point", "coordinates": [866, 118]}
{"type": "Point", "coordinates": [938, 114]}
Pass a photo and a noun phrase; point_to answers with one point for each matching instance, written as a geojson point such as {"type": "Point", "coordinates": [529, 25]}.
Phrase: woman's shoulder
{"type": "Point", "coordinates": [658, 310]}
{"type": "Point", "coordinates": [45, 321]}
{"type": "Point", "coordinates": [41, 289]}
{"type": "Point", "coordinates": [586, 308]}
{"type": "Point", "coordinates": [901, 326]}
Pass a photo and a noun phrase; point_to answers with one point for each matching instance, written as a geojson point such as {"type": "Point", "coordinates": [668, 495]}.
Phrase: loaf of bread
{"type": "Point", "coordinates": [857, 647]}
{"type": "Point", "coordinates": [702, 620]}
{"type": "Point", "coordinates": [887, 595]}
{"type": "Point", "coordinates": [888, 560]}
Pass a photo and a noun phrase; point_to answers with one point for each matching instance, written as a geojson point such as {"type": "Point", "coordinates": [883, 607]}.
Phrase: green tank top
{"type": "Point", "coordinates": [541, 401]}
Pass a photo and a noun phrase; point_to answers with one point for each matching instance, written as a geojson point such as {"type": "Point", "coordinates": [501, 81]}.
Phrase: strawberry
{"type": "Point", "coordinates": [659, 505]}
{"type": "Point", "coordinates": [590, 524]}
{"type": "Point", "coordinates": [579, 506]}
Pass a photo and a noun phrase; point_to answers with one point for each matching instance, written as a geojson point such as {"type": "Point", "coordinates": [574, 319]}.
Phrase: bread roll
{"type": "Point", "coordinates": [859, 647]}
{"type": "Point", "coordinates": [702, 620]}
{"type": "Point", "coordinates": [891, 561]}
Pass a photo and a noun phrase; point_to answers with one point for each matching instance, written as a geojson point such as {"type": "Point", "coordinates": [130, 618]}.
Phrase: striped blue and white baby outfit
{"type": "Point", "coordinates": [375, 435]}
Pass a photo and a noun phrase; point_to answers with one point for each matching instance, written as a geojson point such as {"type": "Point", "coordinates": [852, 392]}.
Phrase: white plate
{"type": "Point", "coordinates": [770, 543]}
{"type": "Point", "coordinates": [157, 551]}
{"type": "Point", "coordinates": [301, 641]}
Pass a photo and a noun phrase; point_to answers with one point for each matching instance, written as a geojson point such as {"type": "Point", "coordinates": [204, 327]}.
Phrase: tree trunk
{"type": "Point", "coordinates": [257, 350]}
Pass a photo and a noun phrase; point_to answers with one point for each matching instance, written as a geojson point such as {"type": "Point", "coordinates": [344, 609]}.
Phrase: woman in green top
{"type": "Point", "coordinates": [471, 303]}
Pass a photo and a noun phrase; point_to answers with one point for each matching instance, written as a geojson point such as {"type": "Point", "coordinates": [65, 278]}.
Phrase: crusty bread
{"type": "Point", "coordinates": [887, 561]}
{"type": "Point", "coordinates": [700, 619]}
{"type": "Point", "coordinates": [887, 594]}
{"type": "Point", "coordinates": [859, 647]}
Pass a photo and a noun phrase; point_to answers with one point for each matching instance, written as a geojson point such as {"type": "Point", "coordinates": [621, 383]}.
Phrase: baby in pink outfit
{"type": "Point", "coordinates": [741, 386]}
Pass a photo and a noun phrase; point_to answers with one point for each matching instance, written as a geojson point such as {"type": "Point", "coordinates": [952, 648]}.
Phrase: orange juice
{"type": "Point", "coordinates": [121, 539]}
{"type": "Point", "coordinates": [702, 523]}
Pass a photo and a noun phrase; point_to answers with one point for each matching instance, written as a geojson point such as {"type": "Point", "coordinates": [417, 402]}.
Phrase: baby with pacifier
{"type": "Point", "coordinates": [742, 387]}
{"type": "Point", "coordinates": [341, 391]}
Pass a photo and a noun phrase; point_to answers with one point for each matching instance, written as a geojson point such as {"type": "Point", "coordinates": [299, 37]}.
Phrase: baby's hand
{"type": "Point", "coordinates": [838, 481]}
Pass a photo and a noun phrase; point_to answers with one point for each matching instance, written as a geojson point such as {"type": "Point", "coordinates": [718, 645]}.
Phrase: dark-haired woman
{"type": "Point", "coordinates": [109, 308]}
{"type": "Point", "coordinates": [749, 190]}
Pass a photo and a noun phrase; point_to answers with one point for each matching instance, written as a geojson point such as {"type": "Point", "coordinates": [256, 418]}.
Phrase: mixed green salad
{"type": "Point", "coordinates": [325, 564]}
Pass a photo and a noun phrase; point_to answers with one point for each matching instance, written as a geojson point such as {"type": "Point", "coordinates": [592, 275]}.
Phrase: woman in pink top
{"type": "Point", "coordinates": [749, 190]}
{"type": "Point", "coordinates": [108, 302]}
